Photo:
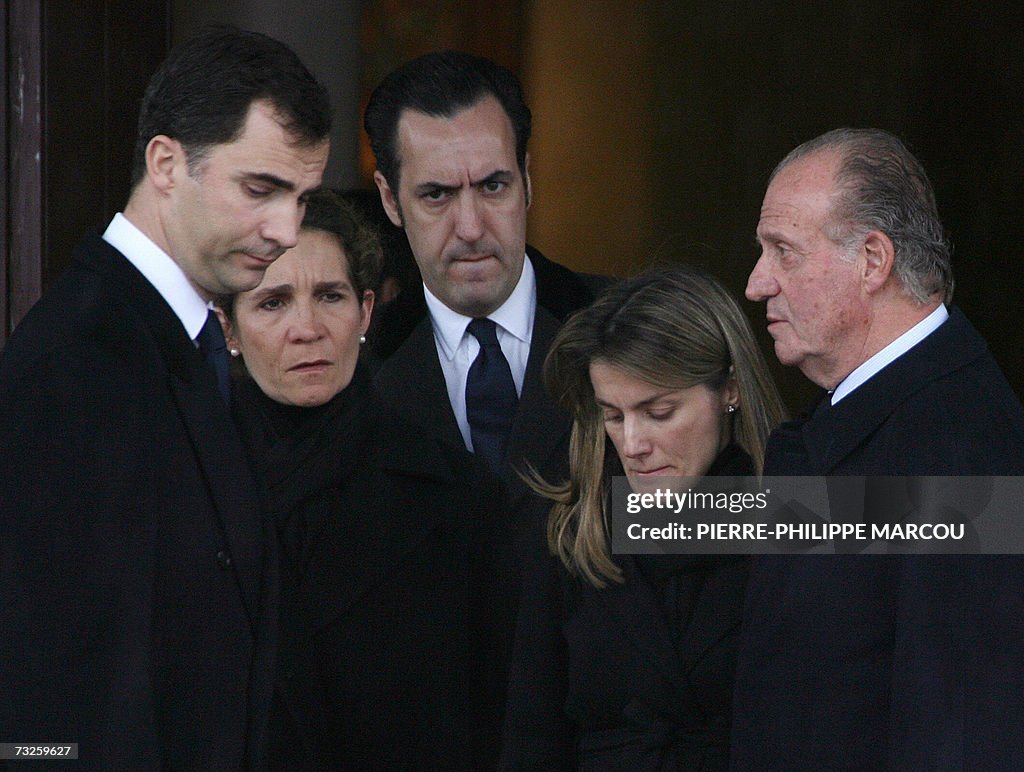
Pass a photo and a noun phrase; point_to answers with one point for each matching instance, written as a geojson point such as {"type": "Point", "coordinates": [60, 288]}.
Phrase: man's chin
{"type": "Point", "coordinates": [786, 355]}
{"type": "Point", "coordinates": [240, 281]}
{"type": "Point", "coordinates": [476, 300]}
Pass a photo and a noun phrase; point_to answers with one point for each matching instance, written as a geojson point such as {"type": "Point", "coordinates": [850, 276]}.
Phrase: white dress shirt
{"type": "Point", "coordinates": [891, 353]}
{"type": "Point", "coordinates": [457, 348]}
{"type": "Point", "coordinates": [161, 271]}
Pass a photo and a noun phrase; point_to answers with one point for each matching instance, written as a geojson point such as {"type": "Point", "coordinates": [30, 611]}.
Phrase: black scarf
{"type": "Point", "coordinates": [305, 457]}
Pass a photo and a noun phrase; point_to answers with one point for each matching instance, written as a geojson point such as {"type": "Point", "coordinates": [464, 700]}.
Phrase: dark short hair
{"type": "Point", "coordinates": [202, 92]}
{"type": "Point", "coordinates": [330, 212]}
{"type": "Point", "coordinates": [441, 84]}
{"type": "Point", "coordinates": [882, 186]}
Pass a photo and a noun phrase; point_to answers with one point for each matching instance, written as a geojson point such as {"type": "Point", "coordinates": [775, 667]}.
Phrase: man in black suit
{"type": "Point", "coordinates": [449, 132]}
{"type": "Point", "coordinates": [138, 586]}
{"type": "Point", "coordinates": [878, 661]}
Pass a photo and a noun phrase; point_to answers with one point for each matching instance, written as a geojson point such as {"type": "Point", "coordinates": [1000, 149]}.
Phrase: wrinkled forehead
{"type": "Point", "coordinates": [482, 129]}
{"type": "Point", "coordinates": [801, 195]}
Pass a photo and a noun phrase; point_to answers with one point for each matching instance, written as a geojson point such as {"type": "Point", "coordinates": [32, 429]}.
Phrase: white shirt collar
{"type": "Point", "coordinates": [891, 353]}
{"type": "Point", "coordinates": [515, 315]}
{"type": "Point", "coordinates": [160, 270]}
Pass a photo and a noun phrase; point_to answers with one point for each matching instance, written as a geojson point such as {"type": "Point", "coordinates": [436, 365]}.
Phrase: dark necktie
{"type": "Point", "coordinates": [212, 346]}
{"type": "Point", "coordinates": [491, 397]}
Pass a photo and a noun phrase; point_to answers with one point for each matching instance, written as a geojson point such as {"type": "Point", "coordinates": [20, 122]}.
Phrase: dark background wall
{"type": "Point", "coordinates": [750, 80]}
{"type": "Point", "coordinates": [656, 122]}
{"type": "Point", "coordinates": [688, 106]}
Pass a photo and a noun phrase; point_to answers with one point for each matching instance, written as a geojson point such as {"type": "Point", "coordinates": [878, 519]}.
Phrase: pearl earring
{"type": "Point", "coordinates": [362, 339]}
{"type": "Point", "coordinates": [234, 352]}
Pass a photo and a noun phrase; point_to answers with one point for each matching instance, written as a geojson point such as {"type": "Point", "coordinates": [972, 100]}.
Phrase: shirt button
{"type": "Point", "coordinates": [224, 560]}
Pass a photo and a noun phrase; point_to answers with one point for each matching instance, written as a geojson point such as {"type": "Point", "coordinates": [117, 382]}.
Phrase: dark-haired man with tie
{"type": "Point", "coordinates": [464, 351]}
{"type": "Point", "coordinates": [137, 582]}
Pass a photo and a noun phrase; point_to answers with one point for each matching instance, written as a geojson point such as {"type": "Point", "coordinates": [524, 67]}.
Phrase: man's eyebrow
{"type": "Point", "coordinates": [270, 179]}
{"type": "Point", "coordinates": [429, 187]}
{"type": "Point", "coordinates": [501, 175]}
{"type": "Point", "coordinates": [327, 286]}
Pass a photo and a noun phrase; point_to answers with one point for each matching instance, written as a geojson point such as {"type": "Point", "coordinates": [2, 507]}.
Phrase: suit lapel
{"type": "Point", "coordinates": [227, 476]}
{"type": "Point", "coordinates": [214, 438]}
{"type": "Point", "coordinates": [426, 399]}
{"type": "Point", "coordinates": [540, 426]}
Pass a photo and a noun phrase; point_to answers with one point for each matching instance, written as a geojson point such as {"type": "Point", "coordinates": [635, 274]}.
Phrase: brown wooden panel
{"type": "Point", "coordinates": [73, 73]}
{"type": "Point", "coordinates": [5, 175]}
{"type": "Point", "coordinates": [24, 79]}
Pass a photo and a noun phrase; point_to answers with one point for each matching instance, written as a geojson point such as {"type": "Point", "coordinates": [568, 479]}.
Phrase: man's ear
{"type": "Point", "coordinates": [879, 255]}
{"type": "Point", "coordinates": [388, 199]}
{"type": "Point", "coordinates": [165, 157]}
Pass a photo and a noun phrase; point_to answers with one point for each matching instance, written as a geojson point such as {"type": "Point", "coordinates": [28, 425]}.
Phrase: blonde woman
{"type": "Point", "coordinates": [628, 661]}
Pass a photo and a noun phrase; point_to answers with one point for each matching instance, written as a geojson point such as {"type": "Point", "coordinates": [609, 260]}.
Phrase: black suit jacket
{"type": "Point", "coordinates": [411, 379]}
{"type": "Point", "coordinates": [904, 662]}
{"type": "Point", "coordinates": [136, 581]}
{"type": "Point", "coordinates": [412, 383]}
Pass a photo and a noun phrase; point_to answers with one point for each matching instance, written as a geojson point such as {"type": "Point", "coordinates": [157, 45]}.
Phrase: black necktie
{"type": "Point", "coordinates": [491, 397]}
{"type": "Point", "coordinates": [212, 346]}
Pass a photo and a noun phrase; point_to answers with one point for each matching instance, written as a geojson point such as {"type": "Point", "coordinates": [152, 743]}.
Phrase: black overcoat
{"type": "Point", "coordinates": [633, 676]}
{"type": "Point", "coordinates": [886, 661]}
{"type": "Point", "coordinates": [412, 383]}
{"type": "Point", "coordinates": [136, 581]}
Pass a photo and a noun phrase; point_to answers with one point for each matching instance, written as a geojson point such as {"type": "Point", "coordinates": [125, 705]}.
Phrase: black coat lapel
{"type": "Point", "coordinates": [414, 379]}
{"type": "Point", "coordinates": [832, 435]}
{"type": "Point", "coordinates": [222, 461]}
{"type": "Point", "coordinates": [717, 613]}
{"type": "Point", "coordinates": [213, 435]}
{"type": "Point", "coordinates": [540, 426]}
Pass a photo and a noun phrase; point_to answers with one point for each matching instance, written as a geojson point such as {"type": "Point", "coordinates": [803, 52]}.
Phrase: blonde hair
{"type": "Point", "coordinates": [673, 328]}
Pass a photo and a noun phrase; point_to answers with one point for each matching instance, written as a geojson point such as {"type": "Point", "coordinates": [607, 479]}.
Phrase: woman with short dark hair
{"type": "Point", "coordinates": [381, 566]}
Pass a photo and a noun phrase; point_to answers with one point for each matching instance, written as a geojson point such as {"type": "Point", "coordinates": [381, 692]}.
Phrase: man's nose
{"type": "Point", "coordinates": [761, 285]}
{"type": "Point", "coordinates": [282, 224]}
{"type": "Point", "coordinates": [469, 223]}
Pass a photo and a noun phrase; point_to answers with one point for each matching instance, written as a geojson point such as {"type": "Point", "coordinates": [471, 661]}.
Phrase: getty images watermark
{"type": "Point", "coordinates": [842, 515]}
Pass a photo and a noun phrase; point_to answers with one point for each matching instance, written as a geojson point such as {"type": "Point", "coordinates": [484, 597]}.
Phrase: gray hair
{"type": "Point", "coordinates": [882, 186]}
